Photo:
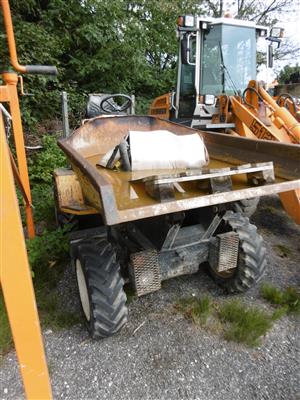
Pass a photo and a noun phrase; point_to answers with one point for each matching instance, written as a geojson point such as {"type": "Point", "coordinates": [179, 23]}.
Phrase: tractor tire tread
{"type": "Point", "coordinates": [105, 288]}
{"type": "Point", "coordinates": [247, 207]}
{"type": "Point", "coordinates": [252, 255]}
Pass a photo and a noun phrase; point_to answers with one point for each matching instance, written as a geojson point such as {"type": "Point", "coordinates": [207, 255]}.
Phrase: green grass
{"type": "Point", "coordinates": [234, 320]}
{"type": "Point", "coordinates": [279, 313]}
{"type": "Point", "coordinates": [288, 299]}
{"type": "Point", "coordinates": [244, 324]}
{"type": "Point", "coordinates": [195, 308]}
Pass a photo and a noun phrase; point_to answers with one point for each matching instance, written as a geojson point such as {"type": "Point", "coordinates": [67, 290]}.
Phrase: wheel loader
{"type": "Point", "coordinates": [216, 88]}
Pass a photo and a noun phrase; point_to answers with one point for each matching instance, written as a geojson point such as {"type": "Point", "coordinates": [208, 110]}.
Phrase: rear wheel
{"type": "Point", "coordinates": [100, 286]}
{"type": "Point", "coordinates": [251, 261]}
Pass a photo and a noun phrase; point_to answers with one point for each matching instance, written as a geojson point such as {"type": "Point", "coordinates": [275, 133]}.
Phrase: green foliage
{"type": "Point", "coordinates": [142, 105]}
{"type": "Point", "coordinates": [97, 46]}
{"type": "Point", "coordinates": [42, 165]}
{"type": "Point", "coordinates": [43, 206]}
{"type": "Point", "coordinates": [288, 299]}
{"type": "Point", "coordinates": [289, 74]}
{"type": "Point", "coordinates": [48, 249]}
{"type": "Point", "coordinates": [197, 309]}
{"type": "Point", "coordinates": [43, 203]}
{"type": "Point", "coordinates": [245, 325]}
{"type": "Point", "coordinates": [279, 313]}
{"type": "Point", "coordinates": [271, 294]}
{"type": "Point", "coordinates": [106, 46]}
{"type": "Point", "coordinates": [233, 319]}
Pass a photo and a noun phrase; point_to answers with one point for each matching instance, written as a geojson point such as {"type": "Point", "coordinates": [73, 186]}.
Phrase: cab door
{"type": "Point", "coordinates": [186, 91]}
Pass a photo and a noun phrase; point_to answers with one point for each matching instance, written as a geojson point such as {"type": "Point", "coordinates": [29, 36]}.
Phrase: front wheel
{"type": "Point", "coordinates": [251, 262]}
{"type": "Point", "coordinates": [100, 286]}
{"type": "Point", "coordinates": [246, 206]}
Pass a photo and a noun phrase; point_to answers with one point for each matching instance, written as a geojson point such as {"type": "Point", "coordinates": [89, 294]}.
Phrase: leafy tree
{"type": "Point", "coordinates": [289, 74]}
{"type": "Point", "coordinates": [108, 46]}
{"type": "Point", "coordinates": [98, 46]}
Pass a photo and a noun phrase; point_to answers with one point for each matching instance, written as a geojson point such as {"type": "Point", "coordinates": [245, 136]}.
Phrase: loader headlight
{"type": "Point", "coordinates": [263, 33]}
{"type": "Point", "coordinates": [204, 26]}
{"type": "Point", "coordinates": [277, 32]}
{"type": "Point", "coordinates": [189, 21]}
{"type": "Point", "coordinates": [209, 99]}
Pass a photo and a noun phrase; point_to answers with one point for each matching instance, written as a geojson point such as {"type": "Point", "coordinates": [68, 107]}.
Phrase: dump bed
{"type": "Point", "coordinates": [122, 196]}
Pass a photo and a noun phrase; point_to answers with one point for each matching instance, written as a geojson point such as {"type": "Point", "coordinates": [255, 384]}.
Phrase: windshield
{"type": "Point", "coordinates": [228, 59]}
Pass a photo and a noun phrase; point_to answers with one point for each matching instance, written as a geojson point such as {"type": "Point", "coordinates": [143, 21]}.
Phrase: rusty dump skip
{"type": "Point", "coordinates": [118, 200]}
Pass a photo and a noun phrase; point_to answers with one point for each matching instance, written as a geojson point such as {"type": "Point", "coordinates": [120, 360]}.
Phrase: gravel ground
{"type": "Point", "coordinates": [169, 357]}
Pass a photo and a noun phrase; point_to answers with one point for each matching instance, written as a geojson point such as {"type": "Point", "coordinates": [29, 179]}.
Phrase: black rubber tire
{"type": "Point", "coordinates": [251, 262]}
{"type": "Point", "coordinates": [246, 206]}
{"type": "Point", "coordinates": [104, 284]}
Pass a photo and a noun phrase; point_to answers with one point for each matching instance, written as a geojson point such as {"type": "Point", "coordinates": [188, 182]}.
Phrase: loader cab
{"type": "Point", "coordinates": [216, 56]}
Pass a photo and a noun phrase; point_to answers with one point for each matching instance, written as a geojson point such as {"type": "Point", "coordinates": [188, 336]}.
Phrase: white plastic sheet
{"type": "Point", "coordinates": [163, 149]}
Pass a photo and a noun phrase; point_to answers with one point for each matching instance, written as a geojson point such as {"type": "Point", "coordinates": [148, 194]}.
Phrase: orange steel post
{"type": "Point", "coordinates": [8, 93]}
{"type": "Point", "coordinates": [11, 80]}
{"type": "Point", "coordinates": [16, 283]}
{"type": "Point", "coordinates": [11, 37]}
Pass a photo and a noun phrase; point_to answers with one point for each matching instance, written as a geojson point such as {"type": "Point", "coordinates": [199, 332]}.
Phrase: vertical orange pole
{"type": "Point", "coordinates": [11, 37]}
{"type": "Point", "coordinates": [17, 288]}
{"type": "Point", "coordinates": [11, 80]}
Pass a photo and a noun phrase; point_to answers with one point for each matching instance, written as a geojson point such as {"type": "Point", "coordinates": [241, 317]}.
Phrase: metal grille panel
{"type": "Point", "coordinates": [145, 272]}
{"type": "Point", "coordinates": [228, 251]}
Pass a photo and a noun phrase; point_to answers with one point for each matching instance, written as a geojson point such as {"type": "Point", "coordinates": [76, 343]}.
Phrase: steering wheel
{"type": "Point", "coordinates": [109, 103]}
